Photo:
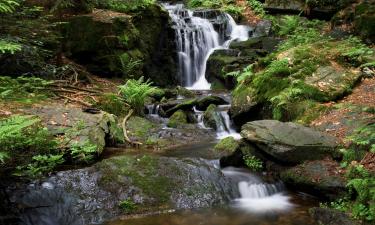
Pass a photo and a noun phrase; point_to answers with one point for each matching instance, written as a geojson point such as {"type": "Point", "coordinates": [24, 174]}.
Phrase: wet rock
{"type": "Point", "coordinates": [178, 119]}
{"type": "Point", "coordinates": [331, 217]}
{"type": "Point", "coordinates": [263, 28]}
{"type": "Point", "coordinates": [228, 145]}
{"type": "Point", "coordinates": [99, 129]}
{"type": "Point", "coordinates": [244, 107]}
{"type": "Point", "coordinates": [205, 102]}
{"type": "Point", "coordinates": [288, 143]}
{"type": "Point", "coordinates": [185, 105]}
{"type": "Point", "coordinates": [92, 195]}
{"type": "Point", "coordinates": [319, 177]}
{"type": "Point", "coordinates": [211, 117]}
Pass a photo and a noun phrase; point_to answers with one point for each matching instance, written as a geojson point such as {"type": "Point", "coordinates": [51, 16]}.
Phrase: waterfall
{"type": "Point", "coordinates": [197, 39]}
{"type": "Point", "coordinates": [224, 124]}
{"type": "Point", "coordinates": [256, 195]}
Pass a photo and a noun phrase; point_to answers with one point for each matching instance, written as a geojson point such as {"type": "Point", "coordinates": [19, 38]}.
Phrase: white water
{"type": "Point", "coordinates": [197, 39]}
{"type": "Point", "coordinates": [256, 195]}
{"type": "Point", "coordinates": [225, 128]}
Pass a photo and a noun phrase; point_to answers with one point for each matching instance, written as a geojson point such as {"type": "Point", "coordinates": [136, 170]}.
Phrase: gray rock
{"type": "Point", "coordinates": [92, 195]}
{"type": "Point", "coordinates": [320, 177]}
{"type": "Point", "coordinates": [100, 129]}
{"type": "Point", "coordinates": [288, 142]}
{"type": "Point", "coordinates": [331, 217]}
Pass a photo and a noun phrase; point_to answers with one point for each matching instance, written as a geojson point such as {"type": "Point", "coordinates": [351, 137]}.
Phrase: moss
{"type": "Point", "coordinates": [142, 172]}
{"type": "Point", "coordinates": [228, 144]}
{"type": "Point", "coordinates": [178, 119]}
{"type": "Point", "coordinates": [210, 117]}
{"type": "Point", "coordinates": [140, 127]}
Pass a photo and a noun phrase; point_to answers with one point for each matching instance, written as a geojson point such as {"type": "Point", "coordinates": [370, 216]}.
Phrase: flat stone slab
{"type": "Point", "coordinates": [288, 142]}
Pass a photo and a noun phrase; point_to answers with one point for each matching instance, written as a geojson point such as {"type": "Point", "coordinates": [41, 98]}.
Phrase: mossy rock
{"type": "Point", "coordinates": [228, 145]}
{"type": "Point", "coordinates": [318, 177]}
{"type": "Point", "coordinates": [178, 119]}
{"type": "Point", "coordinates": [152, 183]}
{"type": "Point", "coordinates": [205, 102]}
{"type": "Point", "coordinates": [186, 105]}
{"type": "Point", "coordinates": [289, 143]}
{"type": "Point", "coordinates": [140, 128]}
{"type": "Point", "coordinates": [211, 117]}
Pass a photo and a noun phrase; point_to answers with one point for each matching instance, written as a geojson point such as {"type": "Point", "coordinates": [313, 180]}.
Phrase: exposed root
{"type": "Point", "coordinates": [134, 143]}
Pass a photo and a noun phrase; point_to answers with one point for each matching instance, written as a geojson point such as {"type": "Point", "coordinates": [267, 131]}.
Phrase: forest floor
{"type": "Point", "coordinates": [248, 13]}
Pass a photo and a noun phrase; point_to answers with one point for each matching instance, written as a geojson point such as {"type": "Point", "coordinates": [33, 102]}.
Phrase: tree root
{"type": "Point", "coordinates": [135, 143]}
{"type": "Point", "coordinates": [76, 100]}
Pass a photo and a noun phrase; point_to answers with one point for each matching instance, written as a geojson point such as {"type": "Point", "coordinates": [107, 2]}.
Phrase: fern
{"type": "Point", "coordinates": [3, 157]}
{"type": "Point", "coordinates": [135, 92]}
{"type": "Point", "coordinates": [8, 6]}
{"type": "Point", "coordinates": [9, 47]}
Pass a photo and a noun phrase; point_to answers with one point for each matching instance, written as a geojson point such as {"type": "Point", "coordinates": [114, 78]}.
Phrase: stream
{"type": "Point", "coordinates": [233, 196]}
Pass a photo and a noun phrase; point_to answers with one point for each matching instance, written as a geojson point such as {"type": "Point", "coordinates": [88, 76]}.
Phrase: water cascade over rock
{"type": "Point", "coordinates": [198, 34]}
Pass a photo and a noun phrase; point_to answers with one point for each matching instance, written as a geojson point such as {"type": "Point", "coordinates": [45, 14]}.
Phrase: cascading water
{"type": "Point", "coordinates": [224, 126]}
{"type": "Point", "coordinates": [197, 39]}
{"type": "Point", "coordinates": [256, 195]}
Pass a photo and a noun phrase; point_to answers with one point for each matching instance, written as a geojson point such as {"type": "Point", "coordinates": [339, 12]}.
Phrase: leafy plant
{"type": "Point", "coordinates": [24, 89]}
{"type": "Point", "coordinates": [23, 133]}
{"type": "Point", "coordinates": [253, 162]}
{"type": "Point", "coordinates": [127, 205]}
{"type": "Point", "coordinates": [85, 151]}
{"type": "Point", "coordinates": [41, 164]}
{"type": "Point", "coordinates": [125, 5]}
{"type": "Point", "coordinates": [9, 47]}
{"type": "Point", "coordinates": [135, 92]}
{"type": "Point", "coordinates": [3, 157]}
{"type": "Point", "coordinates": [257, 7]}
{"type": "Point", "coordinates": [8, 6]}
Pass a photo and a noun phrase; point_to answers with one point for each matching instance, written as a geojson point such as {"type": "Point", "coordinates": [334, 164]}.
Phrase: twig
{"type": "Point", "coordinates": [125, 131]}
{"type": "Point", "coordinates": [76, 100]}
{"type": "Point", "coordinates": [76, 88]}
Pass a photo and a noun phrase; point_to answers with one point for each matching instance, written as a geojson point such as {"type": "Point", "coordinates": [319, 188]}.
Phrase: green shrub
{"type": "Point", "coordinates": [24, 133]}
{"type": "Point", "coordinates": [8, 6]}
{"type": "Point", "coordinates": [125, 5]}
{"type": "Point", "coordinates": [257, 7]}
{"type": "Point", "coordinates": [84, 152]}
{"type": "Point", "coordinates": [135, 92]}
{"type": "Point", "coordinates": [113, 104]}
{"type": "Point", "coordinates": [253, 162]}
{"type": "Point", "coordinates": [3, 157]}
{"type": "Point", "coordinates": [41, 164]}
{"type": "Point", "coordinates": [127, 205]}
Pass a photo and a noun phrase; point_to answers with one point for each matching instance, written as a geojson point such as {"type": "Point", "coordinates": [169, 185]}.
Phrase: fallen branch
{"type": "Point", "coordinates": [76, 100]}
{"type": "Point", "coordinates": [125, 131]}
{"type": "Point", "coordinates": [76, 88]}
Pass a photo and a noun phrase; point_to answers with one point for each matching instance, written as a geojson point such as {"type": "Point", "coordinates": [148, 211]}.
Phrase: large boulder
{"type": "Point", "coordinates": [288, 143]}
{"type": "Point", "coordinates": [92, 195]}
{"type": "Point", "coordinates": [321, 177]}
{"type": "Point", "coordinates": [240, 55]}
{"type": "Point", "coordinates": [111, 43]}
{"type": "Point", "coordinates": [211, 117]}
{"type": "Point", "coordinates": [80, 127]}
{"type": "Point", "coordinates": [178, 119]}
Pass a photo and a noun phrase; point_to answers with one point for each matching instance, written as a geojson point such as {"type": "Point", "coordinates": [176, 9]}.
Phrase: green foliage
{"type": "Point", "coordinates": [23, 89]}
{"type": "Point", "coordinates": [113, 104]}
{"type": "Point", "coordinates": [127, 205]}
{"type": "Point", "coordinates": [135, 92]}
{"type": "Point", "coordinates": [3, 157]}
{"type": "Point", "coordinates": [41, 164]}
{"type": "Point", "coordinates": [8, 6]}
{"type": "Point", "coordinates": [364, 205]}
{"type": "Point", "coordinates": [253, 162]}
{"type": "Point", "coordinates": [125, 5]}
{"type": "Point", "coordinates": [228, 144]}
{"type": "Point", "coordinates": [80, 5]}
{"type": "Point", "coordinates": [24, 133]}
{"type": "Point", "coordinates": [129, 66]}
{"type": "Point", "coordinates": [224, 5]}
{"type": "Point", "coordinates": [353, 51]}
{"type": "Point", "coordinates": [9, 47]}
{"type": "Point", "coordinates": [288, 24]}
{"type": "Point", "coordinates": [257, 7]}
{"type": "Point", "coordinates": [85, 151]}
{"type": "Point", "coordinates": [363, 138]}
